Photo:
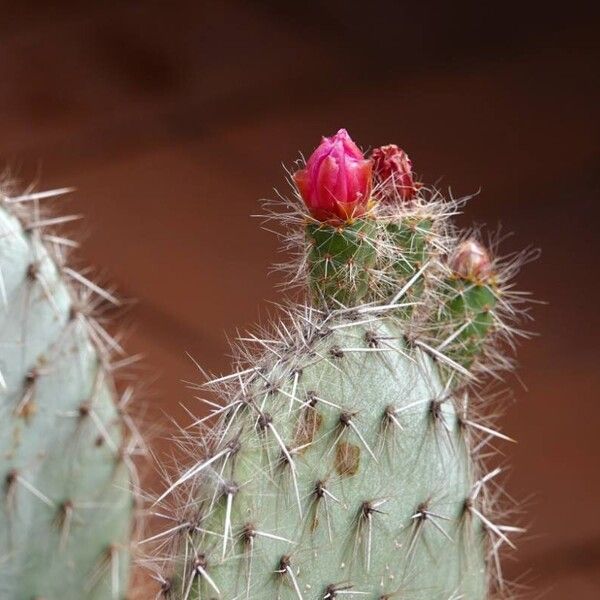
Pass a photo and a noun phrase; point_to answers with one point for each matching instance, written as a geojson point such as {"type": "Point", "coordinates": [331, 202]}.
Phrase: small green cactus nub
{"type": "Point", "coordinates": [471, 294]}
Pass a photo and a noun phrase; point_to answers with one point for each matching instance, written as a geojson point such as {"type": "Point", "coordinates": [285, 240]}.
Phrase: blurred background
{"type": "Point", "coordinates": [172, 118]}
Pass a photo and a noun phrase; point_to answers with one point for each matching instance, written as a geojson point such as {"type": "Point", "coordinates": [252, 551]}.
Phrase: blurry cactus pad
{"type": "Point", "coordinates": [350, 453]}
{"type": "Point", "coordinates": [66, 439]}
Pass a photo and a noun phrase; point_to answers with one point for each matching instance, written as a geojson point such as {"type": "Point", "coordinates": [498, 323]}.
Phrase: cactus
{"type": "Point", "coordinates": [343, 456]}
{"type": "Point", "coordinates": [65, 459]}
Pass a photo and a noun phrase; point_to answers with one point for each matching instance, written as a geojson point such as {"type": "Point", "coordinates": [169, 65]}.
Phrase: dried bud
{"type": "Point", "coordinates": [336, 183]}
{"type": "Point", "coordinates": [393, 169]}
{"type": "Point", "coordinates": [471, 260]}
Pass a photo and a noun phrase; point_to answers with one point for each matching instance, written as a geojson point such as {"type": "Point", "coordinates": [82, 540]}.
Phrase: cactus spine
{"type": "Point", "coordinates": [344, 459]}
{"type": "Point", "coordinates": [65, 467]}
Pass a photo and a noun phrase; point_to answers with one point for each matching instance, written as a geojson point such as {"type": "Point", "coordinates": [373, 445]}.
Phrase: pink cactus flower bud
{"type": "Point", "coordinates": [336, 183]}
{"type": "Point", "coordinates": [393, 169]}
{"type": "Point", "coordinates": [471, 260]}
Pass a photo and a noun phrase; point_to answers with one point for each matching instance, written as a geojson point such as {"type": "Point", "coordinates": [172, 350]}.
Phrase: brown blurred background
{"type": "Point", "coordinates": [172, 118]}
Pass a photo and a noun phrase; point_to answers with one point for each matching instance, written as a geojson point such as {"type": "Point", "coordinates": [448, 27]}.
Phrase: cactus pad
{"type": "Point", "coordinates": [342, 458]}
{"type": "Point", "coordinates": [343, 467]}
{"type": "Point", "coordinates": [66, 505]}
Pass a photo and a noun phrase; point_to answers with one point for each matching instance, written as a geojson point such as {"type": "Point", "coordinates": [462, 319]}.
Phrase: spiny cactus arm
{"type": "Point", "coordinates": [471, 296]}
{"type": "Point", "coordinates": [478, 309]}
{"type": "Point", "coordinates": [67, 506]}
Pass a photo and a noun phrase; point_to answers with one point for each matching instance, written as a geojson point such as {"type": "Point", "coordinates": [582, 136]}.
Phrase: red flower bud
{"type": "Point", "coordinates": [393, 169]}
{"type": "Point", "coordinates": [471, 260]}
{"type": "Point", "coordinates": [336, 183]}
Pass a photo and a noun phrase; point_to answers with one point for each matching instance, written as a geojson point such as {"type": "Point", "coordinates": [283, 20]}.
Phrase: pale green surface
{"type": "Point", "coordinates": [423, 462]}
{"type": "Point", "coordinates": [54, 450]}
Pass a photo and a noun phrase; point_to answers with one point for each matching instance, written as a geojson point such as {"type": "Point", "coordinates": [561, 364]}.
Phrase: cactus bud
{"type": "Point", "coordinates": [336, 183]}
{"type": "Point", "coordinates": [471, 260]}
{"type": "Point", "coordinates": [393, 169]}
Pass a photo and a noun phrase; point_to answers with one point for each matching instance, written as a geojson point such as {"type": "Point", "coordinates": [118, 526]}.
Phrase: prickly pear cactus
{"type": "Point", "coordinates": [346, 452]}
{"type": "Point", "coordinates": [65, 467]}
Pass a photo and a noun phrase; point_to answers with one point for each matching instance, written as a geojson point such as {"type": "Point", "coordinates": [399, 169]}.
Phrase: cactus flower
{"type": "Point", "coordinates": [471, 260]}
{"type": "Point", "coordinates": [336, 183]}
{"type": "Point", "coordinates": [393, 169]}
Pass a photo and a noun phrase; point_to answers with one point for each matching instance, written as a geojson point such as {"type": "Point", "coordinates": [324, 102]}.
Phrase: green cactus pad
{"type": "Point", "coordinates": [66, 504]}
{"type": "Point", "coordinates": [345, 457]}
{"type": "Point", "coordinates": [342, 466]}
